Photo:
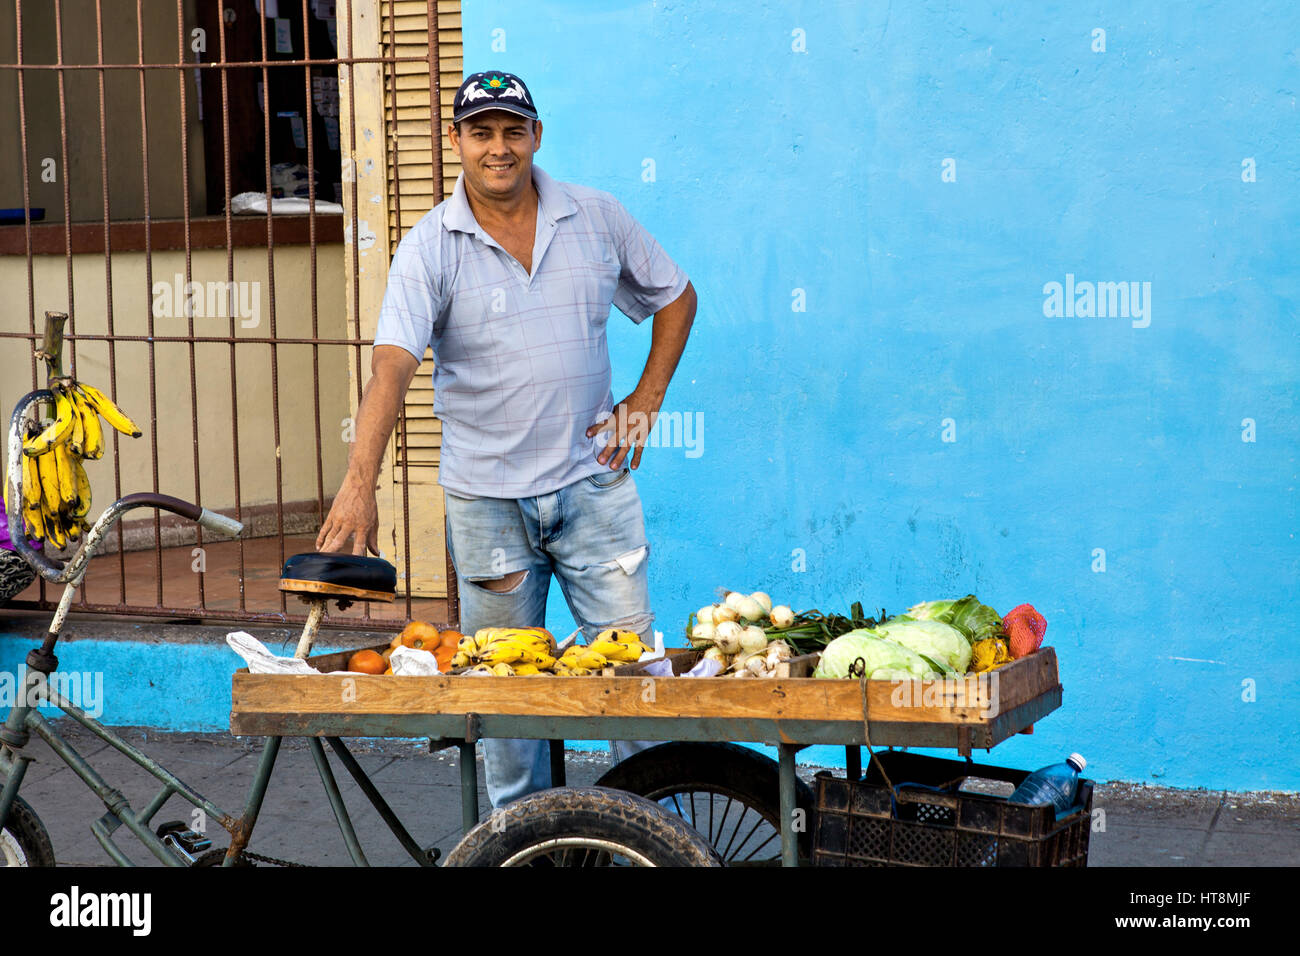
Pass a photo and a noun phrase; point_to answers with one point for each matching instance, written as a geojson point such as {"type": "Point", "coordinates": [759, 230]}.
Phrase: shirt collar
{"type": "Point", "coordinates": [555, 203]}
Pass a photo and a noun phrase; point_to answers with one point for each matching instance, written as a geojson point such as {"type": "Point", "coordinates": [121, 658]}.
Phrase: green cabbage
{"type": "Point", "coordinates": [884, 660]}
{"type": "Point", "coordinates": [936, 641]}
{"type": "Point", "coordinates": [975, 620]}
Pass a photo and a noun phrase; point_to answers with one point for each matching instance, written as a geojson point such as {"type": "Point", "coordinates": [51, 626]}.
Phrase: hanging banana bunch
{"type": "Point", "coordinates": [56, 491]}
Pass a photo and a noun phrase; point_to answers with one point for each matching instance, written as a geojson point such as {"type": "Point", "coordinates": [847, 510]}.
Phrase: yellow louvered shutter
{"type": "Point", "coordinates": [395, 98]}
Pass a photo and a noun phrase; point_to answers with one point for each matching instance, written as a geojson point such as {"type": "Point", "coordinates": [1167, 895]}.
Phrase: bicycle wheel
{"type": "Point", "coordinates": [727, 792]}
{"type": "Point", "coordinates": [582, 827]}
{"type": "Point", "coordinates": [23, 841]}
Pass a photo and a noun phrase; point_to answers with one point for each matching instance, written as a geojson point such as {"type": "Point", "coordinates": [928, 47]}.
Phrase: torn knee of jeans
{"type": "Point", "coordinates": [629, 561]}
{"type": "Point", "coordinates": [501, 585]}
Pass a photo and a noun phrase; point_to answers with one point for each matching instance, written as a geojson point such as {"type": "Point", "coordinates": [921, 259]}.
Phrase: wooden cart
{"type": "Point", "coordinates": [789, 712]}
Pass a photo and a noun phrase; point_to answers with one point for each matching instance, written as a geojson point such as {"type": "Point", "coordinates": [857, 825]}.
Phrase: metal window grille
{"type": "Point", "coordinates": [206, 71]}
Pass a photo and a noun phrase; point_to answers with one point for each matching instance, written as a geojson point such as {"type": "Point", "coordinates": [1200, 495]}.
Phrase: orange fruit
{"type": "Point", "coordinates": [420, 635]}
{"type": "Point", "coordinates": [449, 638]}
{"type": "Point", "coordinates": [367, 662]}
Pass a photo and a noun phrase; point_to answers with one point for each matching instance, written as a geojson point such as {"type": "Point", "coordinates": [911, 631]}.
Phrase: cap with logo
{"type": "Point", "coordinates": [492, 91]}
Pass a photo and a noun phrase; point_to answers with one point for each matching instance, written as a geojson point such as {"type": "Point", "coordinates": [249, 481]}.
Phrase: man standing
{"type": "Point", "coordinates": [511, 282]}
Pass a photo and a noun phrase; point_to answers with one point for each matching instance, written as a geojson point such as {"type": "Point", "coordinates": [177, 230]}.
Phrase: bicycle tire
{"type": "Point", "coordinates": [726, 770]}
{"type": "Point", "coordinates": [24, 840]}
{"type": "Point", "coordinates": [550, 827]}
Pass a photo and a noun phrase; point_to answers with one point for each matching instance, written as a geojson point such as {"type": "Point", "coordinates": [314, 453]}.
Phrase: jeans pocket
{"type": "Point", "coordinates": [606, 481]}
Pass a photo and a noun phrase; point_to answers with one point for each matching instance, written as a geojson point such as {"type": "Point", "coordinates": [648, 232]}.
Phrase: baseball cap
{"type": "Point", "coordinates": [492, 91]}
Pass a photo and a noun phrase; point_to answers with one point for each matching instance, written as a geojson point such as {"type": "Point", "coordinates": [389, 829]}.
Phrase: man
{"type": "Point", "coordinates": [511, 282]}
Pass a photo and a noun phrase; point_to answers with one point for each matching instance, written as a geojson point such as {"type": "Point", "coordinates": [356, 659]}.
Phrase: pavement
{"type": "Point", "coordinates": [1139, 826]}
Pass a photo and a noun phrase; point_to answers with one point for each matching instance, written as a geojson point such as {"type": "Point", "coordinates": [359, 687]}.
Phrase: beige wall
{"type": "Point", "coordinates": [84, 178]}
{"type": "Point", "coordinates": [171, 425]}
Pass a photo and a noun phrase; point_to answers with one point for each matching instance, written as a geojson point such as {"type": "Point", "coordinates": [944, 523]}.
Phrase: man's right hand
{"type": "Point", "coordinates": [354, 515]}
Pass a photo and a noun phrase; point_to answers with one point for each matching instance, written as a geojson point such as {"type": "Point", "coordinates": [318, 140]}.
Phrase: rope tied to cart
{"type": "Point", "coordinates": [858, 669]}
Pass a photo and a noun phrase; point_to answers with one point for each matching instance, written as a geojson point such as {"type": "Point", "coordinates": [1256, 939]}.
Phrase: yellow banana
{"type": "Point", "coordinates": [77, 440]}
{"type": "Point", "coordinates": [36, 520]}
{"type": "Point", "coordinates": [92, 445]}
{"type": "Point", "coordinates": [64, 459]}
{"type": "Point", "coordinates": [54, 530]}
{"type": "Point", "coordinates": [503, 670]}
{"type": "Point", "coordinates": [58, 431]}
{"type": "Point", "coordinates": [31, 484]}
{"type": "Point", "coordinates": [503, 652]}
{"type": "Point", "coordinates": [82, 506]}
{"type": "Point", "coordinates": [111, 413]}
{"type": "Point", "coordinates": [48, 471]}
{"type": "Point", "coordinates": [615, 651]}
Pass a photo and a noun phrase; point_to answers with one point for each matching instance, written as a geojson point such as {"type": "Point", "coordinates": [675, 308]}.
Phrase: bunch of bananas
{"type": "Point", "coordinates": [610, 647]}
{"type": "Point", "coordinates": [506, 651]}
{"type": "Point", "coordinates": [524, 651]}
{"type": "Point", "coordinates": [56, 491]}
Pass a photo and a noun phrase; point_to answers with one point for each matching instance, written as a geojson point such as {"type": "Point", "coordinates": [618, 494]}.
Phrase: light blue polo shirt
{"type": "Point", "coordinates": [521, 362]}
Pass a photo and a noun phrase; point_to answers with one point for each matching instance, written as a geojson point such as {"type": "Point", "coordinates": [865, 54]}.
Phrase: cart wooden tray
{"type": "Point", "coordinates": [972, 712]}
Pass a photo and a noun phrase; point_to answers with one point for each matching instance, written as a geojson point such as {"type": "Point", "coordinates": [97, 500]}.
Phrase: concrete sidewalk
{"type": "Point", "coordinates": [1144, 826]}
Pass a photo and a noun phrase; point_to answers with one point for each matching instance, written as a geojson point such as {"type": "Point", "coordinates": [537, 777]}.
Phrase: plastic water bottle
{"type": "Point", "coordinates": [1053, 786]}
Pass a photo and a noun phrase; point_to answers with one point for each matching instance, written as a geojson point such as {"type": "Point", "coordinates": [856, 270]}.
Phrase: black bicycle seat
{"type": "Point", "coordinates": [339, 575]}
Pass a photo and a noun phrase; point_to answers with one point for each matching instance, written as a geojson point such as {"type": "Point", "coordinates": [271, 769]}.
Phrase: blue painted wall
{"type": "Point", "coordinates": [778, 170]}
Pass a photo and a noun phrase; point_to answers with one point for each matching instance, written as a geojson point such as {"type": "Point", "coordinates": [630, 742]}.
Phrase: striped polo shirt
{"type": "Point", "coordinates": [521, 362]}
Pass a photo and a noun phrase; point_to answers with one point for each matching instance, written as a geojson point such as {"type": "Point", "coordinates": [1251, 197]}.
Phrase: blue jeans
{"type": "Point", "coordinates": [591, 536]}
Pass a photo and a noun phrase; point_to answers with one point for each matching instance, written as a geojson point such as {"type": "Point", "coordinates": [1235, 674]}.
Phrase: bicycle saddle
{"type": "Point", "coordinates": [322, 574]}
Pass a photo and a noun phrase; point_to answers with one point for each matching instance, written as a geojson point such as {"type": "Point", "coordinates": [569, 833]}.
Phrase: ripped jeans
{"type": "Point", "coordinates": [591, 536]}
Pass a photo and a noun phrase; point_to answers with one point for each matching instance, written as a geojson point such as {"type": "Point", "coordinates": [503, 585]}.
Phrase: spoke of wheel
{"type": "Point", "coordinates": [725, 812]}
{"type": "Point", "coordinates": [712, 804]}
{"type": "Point", "coordinates": [744, 812]}
{"type": "Point", "coordinates": [774, 835]}
{"type": "Point", "coordinates": [692, 820]}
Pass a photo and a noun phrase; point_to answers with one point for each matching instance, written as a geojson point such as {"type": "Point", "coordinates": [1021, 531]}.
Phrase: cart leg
{"type": "Point", "coordinates": [256, 794]}
{"type": "Point", "coordinates": [789, 844]}
{"type": "Point", "coordinates": [853, 762]}
{"type": "Point", "coordinates": [336, 801]}
{"type": "Point", "coordinates": [377, 800]}
{"type": "Point", "coordinates": [557, 763]}
{"type": "Point", "coordinates": [468, 786]}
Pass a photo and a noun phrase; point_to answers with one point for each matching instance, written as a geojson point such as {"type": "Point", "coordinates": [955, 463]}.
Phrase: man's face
{"type": "Point", "coordinates": [496, 149]}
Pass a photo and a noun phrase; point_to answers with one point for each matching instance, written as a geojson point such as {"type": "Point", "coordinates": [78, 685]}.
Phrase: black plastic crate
{"type": "Point", "coordinates": [860, 823]}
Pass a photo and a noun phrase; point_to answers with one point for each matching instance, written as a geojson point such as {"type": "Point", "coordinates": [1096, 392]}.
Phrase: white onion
{"type": "Point", "coordinates": [723, 613]}
{"type": "Point", "coordinates": [763, 600]}
{"type": "Point", "coordinates": [703, 634]}
{"type": "Point", "coordinates": [753, 639]}
{"type": "Point", "coordinates": [782, 616]}
{"type": "Point", "coordinates": [727, 637]}
{"type": "Point", "coordinates": [734, 598]}
{"type": "Point", "coordinates": [750, 610]}
{"type": "Point", "coordinates": [705, 614]}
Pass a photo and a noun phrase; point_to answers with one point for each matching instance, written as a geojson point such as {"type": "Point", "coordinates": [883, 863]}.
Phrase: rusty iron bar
{"type": "Point", "coordinates": [215, 65]}
{"type": "Point", "coordinates": [270, 289]}
{"type": "Point", "coordinates": [311, 241]}
{"type": "Point", "coordinates": [245, 339]}
{"type": "Point", "coordinates": [230, 278]}
{"type": "Point", "coordinates": [181, 76]}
